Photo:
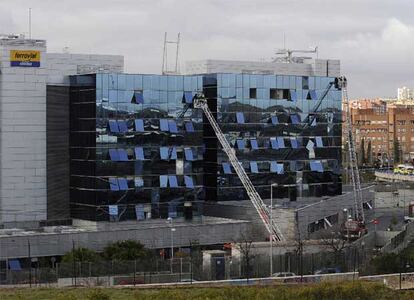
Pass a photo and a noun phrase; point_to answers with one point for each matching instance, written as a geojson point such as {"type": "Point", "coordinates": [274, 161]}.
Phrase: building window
{"type": "Point", "coordinates": [279, 94]}
{"type": "Point", "coordinates": [253, 93]}
{"type": "Point", "coordinates": [305, 83]}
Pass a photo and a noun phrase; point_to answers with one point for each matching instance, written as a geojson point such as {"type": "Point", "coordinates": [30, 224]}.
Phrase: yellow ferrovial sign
{"type": "Point", "coordinates": [24, 58]}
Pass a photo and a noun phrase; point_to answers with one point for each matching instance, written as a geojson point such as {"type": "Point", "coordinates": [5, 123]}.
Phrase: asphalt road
{"type": "Point", "coordinates": [384, 217]}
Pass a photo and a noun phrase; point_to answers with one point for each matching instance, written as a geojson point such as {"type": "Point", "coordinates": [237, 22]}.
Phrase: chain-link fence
{"type": "Point", "coordinates": [195, 268]}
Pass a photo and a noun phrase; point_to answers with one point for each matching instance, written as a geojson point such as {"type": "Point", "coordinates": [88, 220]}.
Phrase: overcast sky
{"type": "Point", "coordinates": [374, 39]}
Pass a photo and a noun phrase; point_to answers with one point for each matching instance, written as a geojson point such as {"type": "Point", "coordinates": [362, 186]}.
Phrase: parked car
{"type": "Point", "coordinates": [327, 271]}
{"type": "Point", "coordinates": [284, 274]}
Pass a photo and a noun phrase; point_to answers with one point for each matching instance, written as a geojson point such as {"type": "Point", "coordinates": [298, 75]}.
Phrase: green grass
{"type": "Point", "coordinates": [329, 291]}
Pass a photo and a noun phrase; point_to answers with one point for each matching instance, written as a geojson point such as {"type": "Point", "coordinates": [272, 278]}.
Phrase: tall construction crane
{"type": "Point", "coordinates": [356, 227]}
{"type": "Point", "coordinates": [199, 101]}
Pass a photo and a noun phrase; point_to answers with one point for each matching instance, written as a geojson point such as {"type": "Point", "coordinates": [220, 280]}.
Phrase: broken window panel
{"type": "Point", "coordinates": [139, 211]}
{"type": "Point", "coordinates": [253, 167]}
{"type": "Point", "coordinates": [189, 154]}
{"type": "Point", "coordinates": [139, 153]}
{"type": "Point", "coordinates": [172, 152]}
{"type": "Point", "coordinates": [276, 168]}
{"type": "Point", "coordinates": [252, 93]}
{"type": "Point", "coordinates": [319, 141]}
{"type": "Point", "coordinates": [123, 155]}
{"type": "Point", "coordinates": [189, 127]}
{"type": "Point", "coordinates": [293, 95]}
{"type": "Point", "coordinates": [163, 181]}
{"type": "Point", "coordinates": [188, 97]}
{"type": "Point", "coordinates": [113, 126]}
{"type": "Point", "coordinates": [313, 95]}
{"type": "Point", "coordinates": [113, 184]}
{"type": "Point", "coordinates": [139, 182]}
{"type": "Point", "coordinates": [122, 125]}
{"type": "Point", "coordinates": [164, 125]}
{"type": "Point", "coordinates": [275, 120]}
{"type": "Point", "coordinates": [173, 181]}
{"type": "Point", "coordinates": [188, 180]}
{"type": "Point", "coordinates": [139, 125]}
{"type": "Point", "coordinates": [316, 165]}
{"type": "Point", "coordinates": [113, 154]}
{"type": "Point", "coordinates": [226, 168]}
{"type": "Point", "coordinates": [273, 143]}
{"type": "Point", "coordinates": [172, 126]}
{"type": "Point", "coordinates": [240, 144]}
{"type": "Point", "coordinates": [164, 153]}
{"type": "Point", "coordinates": [280, 142]}
{"type": "Point", "coordinates": [294, 119]}
{"type": "Point", "coordinates": [294, 142]}
{"type": "Point", "coordinates": [253, 144]}
{"type": "Point", "coordinates": [113, 96]}
{"type": "Point", "coordinates": [123, 184]}
{"type": "Point", "coordinates": [138, 97]}
{"type": "Point", "coordinates": [240, 117]}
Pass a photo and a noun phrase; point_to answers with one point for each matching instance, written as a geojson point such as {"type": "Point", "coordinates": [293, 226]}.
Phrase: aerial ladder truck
{"type": "Point", "coordinates": [199, 101]}
{"type": "Point", "coordinates": [354, 227]}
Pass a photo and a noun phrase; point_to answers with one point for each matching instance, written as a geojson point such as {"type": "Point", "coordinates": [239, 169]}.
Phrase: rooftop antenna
{"type": "Point", "coordinates": [176, 68]}
{"type": "Point", "coordinates": [30, 23]}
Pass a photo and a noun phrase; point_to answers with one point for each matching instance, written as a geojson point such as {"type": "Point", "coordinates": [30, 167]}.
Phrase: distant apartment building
{"type": "Point", "coordinates": [405, 93]}
{"type": "Point", "coordinates": [384, 124]}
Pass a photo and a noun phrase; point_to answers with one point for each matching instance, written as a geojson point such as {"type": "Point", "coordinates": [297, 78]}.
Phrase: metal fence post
{"type": "Point", "coordinates": [135, 270]}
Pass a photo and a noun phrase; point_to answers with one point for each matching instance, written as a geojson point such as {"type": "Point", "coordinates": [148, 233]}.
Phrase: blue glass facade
{"type": "Point", "coordinates": [133, 148]}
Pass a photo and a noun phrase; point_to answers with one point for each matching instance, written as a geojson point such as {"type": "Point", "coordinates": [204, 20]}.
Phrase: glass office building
{"type": "Point", "coordinates": [138, 149]}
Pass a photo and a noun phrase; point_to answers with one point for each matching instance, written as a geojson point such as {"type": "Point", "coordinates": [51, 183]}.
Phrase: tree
{"type": "Point", "coordinates": [334, 241]}
{"type": "Point", "coordinates": [369, 154]}
{"type": "Point", "coordinates": [244, 245]}
{"type": "Point", "coordinates": [81, 255]}
{"type": "Point", "coordinates": [126, 250]}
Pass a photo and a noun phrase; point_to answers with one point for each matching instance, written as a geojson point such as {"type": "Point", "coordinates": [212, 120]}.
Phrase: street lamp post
{"type": "Point", "coordinates": [170, 221]}
{"type": "Point", "coordinates": [271, 228]}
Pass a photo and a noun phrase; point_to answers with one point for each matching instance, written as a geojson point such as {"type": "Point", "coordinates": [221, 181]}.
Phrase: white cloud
{"type": "Point", "coordinates": [375, 45]}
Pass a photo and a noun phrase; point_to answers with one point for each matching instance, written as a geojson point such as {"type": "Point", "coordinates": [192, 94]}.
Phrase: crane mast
{"type": "Point", "coordinates": [264, 212]}
{"type": "Point", "coordinates": [353, 162]}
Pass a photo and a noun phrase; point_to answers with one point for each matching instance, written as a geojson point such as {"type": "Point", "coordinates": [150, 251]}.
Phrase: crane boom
{"type": "Point", "coordinates": [353, 163]}
{"type": "Point", "coordinates": [264, 212]}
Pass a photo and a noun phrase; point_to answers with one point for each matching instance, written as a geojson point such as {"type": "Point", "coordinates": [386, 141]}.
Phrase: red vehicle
{"type": "Point", "coordinates": [353, 230]}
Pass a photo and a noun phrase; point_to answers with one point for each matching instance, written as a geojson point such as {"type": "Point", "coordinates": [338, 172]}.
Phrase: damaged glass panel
{"type": "Point", "coordinates": [253, 167]}
{"type": "Point", "coordinates": [253, 144]}
{"type": "Point", "coordinates": [113, 184]}
{"type": "Point", "coordinates": [139, 125]}
{"type": "Point", "coordinates": [173, 181]}
{"type": "Point", "coordinates": [226, 168]}
{"type": "Point", "coordinates": [240, 144]}
{"type": "Point", "coordinates": [188, 180]}
{"type": "Point", "coordinates": [163, 181]}
{"type": "Point", "coordinates": [113, 154]}
{"type": "Point", "coordinates": [240, 117]}
{"type": "Point", "coordinates": [123, 155]}
{"type": "Point", "coordinates": [172, 126]}
{"type": "Point", "coordinates": [139, 153]}
{"type": "Point", "coordinates": [164, 125]}
{"type": "Point", "coordinates": [189, 127]}
{"type": "Point", "coordinates": [189, 155]}
{"type": "Point", "coordinates": [123, 184]}
{"type": "Point", "coordinates": [113, 126]}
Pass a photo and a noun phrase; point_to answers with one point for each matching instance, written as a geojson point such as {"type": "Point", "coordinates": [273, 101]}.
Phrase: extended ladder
{"type": "Point", "coordinates": [353, 163]}
{"type": "Point", "coordinates": [201, 102]}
